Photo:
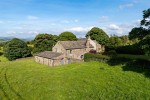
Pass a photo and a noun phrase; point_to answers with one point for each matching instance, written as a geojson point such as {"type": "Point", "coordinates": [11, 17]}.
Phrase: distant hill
{"type": "Point", "coordinates": [4, 39]}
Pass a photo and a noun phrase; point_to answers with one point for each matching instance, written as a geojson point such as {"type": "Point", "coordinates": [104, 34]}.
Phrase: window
{"type": "Point", "coordinates": [70, 51]}
{"type": "Point", "coordinates": [82, 56]}
{"type": "Point", "coordinates": [62, 61]}
{"type": "Point", "coordinates": [68, 60]}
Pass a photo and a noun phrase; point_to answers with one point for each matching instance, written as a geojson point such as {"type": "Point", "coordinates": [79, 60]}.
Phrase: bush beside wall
{"type": "Point", "coordinates": [129, 49]}
{"type": "Point", "coordinates": [95, 57]}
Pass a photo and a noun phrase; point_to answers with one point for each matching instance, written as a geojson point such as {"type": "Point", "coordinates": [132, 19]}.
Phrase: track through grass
{"type": "Point", "coordinates": [27, 80]}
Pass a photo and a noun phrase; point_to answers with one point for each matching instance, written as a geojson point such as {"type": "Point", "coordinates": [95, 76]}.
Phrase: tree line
{"type": "Point", "coordinates": [137, 42]}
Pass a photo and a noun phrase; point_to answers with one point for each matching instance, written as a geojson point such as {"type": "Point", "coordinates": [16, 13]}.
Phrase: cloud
{"type": "Point", "coordinates": [69, 21]}
{"type": "Point", "coordinates": [121, 29]}
{"type": "Point", "coordinates": [104, 19]}
{"type": "Point", "coordinates": [32, 17]}
{"type": "Point", "coordinates": [79, 29]}
{"type": "Point", "coordinates": [76, 20]}
{"type": "Point", "coordinates": [65, 21]}
{"type": "Point", "coordinates": [18, 27]}
{"type": "Point", "coordinates": [23, 34]}
{"type": "Point", "coordinates": [137, 22]}
{"type": "Point", "coordinates": [11, 32]}
{"type": "Point", "coordinates": [136, 1]}
{"type": "Point", "coordinates": [33, 32]}
{"type": "Point", "coordinates": [113, 27]}
{"type": "Point", "coordinates": [126, 6]}
{"type": "Point", "coordinates": [1, 22]}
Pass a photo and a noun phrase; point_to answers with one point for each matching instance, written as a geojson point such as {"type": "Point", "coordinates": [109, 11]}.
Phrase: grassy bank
{"type": "Point", "coordinates": [26, 80]}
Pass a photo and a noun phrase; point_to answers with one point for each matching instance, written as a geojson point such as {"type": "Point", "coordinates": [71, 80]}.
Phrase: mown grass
{"type": "Point", "coordinates": [27, 80]}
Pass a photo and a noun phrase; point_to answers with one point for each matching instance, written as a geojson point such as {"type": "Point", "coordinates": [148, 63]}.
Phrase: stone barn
{"type": "Point", "coordinates": [65, 52]}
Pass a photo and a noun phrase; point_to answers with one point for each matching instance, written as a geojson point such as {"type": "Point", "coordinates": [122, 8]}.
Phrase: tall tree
{"type": "Point", "coordinates": [138, 32]}
{"type": "Point", "coordinates": [43, 42]}
{"type": "Point", "coordinates": [15, 49]}
{"type": "Point", "coordinates": [146, 23]}
{"type": "Point", "coordinates": [143, 32]}
{"type": "Point", "coordinates": [146, 18]}
{"type": "Point", "coordinates": [99, 35]}
{"type": "Point", "coordinates": [67, 36]}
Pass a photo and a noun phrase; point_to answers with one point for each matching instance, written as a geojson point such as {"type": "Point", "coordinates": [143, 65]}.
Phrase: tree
{"type": "Point", "coordinates": [114, 41]}
{"type": "Point", "coordinates": [15, 49]}
{"type": "Point", "coordinates": [146, 40]}
{"type": "Point", "coordinates": [67, 36]}
{"type": "Point", "coordinates": [143, 32]}
{"type": "Point", "coordinates": [138, 32]}
{"type": "Point", "coordinates": [145, 45]}
{"type": "Point", "coordinates": [43, 42]}
{"type": "Point", "coordinates": [146, 18]}
{"type": "Point", "coordinates": [2, 44]}
{"type": "Point", "coordinates": [99, 35]}
{"type": "Point", "coordinates": [55, 38]}
{"type": "Point", "coordinates": [125, 40]}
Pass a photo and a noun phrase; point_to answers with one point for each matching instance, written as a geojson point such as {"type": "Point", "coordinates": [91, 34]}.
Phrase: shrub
{"type": "Point", "coordinates": [1, 53]}
{"type": "Point", "coordinates": [95, 57]}
{"type": "Point", "coordinates": [93, 51]}
{"type": "Point", "coordinates": [15, 49]}
{"type": "Point", "coordinates": [109, 48]}
{"type": "Point", "coordinates": [130, 49]}
{"type": "Point", "coordinates": [112, 53]}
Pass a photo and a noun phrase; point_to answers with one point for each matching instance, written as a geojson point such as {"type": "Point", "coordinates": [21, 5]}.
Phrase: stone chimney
{"type": "Point", "coordinates": [88, 42]}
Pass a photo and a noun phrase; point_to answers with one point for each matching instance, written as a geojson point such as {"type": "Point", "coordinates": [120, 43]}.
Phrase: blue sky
{"type": "Point", "coordinates": [27, 18]}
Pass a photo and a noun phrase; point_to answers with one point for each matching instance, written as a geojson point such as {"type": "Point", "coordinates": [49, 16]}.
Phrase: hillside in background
{"type": "Point", "coordinates": [4, 39]}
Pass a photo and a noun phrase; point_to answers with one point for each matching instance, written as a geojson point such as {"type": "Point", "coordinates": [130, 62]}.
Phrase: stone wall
{"type": "Point", "coordinates": [45, 61]}
{"type": "Point", "coordinates": [55, 62]}
{"type": "Point", "coordinates": [58, 48]}
{"type": "Point", "coordinates": [93, 44]}
{"type": "Point", "coordinates": [75, 53]}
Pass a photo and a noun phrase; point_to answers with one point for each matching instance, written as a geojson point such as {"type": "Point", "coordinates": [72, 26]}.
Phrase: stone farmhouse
{"type": "Point", "coordinates": [65, 52]}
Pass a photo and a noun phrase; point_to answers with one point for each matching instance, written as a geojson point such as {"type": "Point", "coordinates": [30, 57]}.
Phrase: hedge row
{"type": "Point", "coordinates": [118, 59]}
{"type": "Point", "coordinates": [95, 57]}
{"type": "Point", "coordinates": [129, 49]}
{"type": "Point", "coordinates": [1, 53]}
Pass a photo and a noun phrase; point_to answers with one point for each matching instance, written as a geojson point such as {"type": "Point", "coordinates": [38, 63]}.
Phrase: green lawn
{"type": "Point", "coordinates": [26, 80]}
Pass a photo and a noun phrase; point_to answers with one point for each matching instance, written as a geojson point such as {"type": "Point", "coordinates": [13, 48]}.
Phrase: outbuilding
{"type": "Point", "coordinates": [50, 58]}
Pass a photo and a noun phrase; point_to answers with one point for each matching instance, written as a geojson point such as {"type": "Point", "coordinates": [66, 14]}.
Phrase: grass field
{"type": "Point", "coordinates": [3, 59]}
{"type": "Point", "coordinates": [26, 80]}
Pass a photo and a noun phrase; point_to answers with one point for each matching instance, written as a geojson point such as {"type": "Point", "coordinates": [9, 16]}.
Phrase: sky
{"type": "Point", "coordinates": [27, 18]}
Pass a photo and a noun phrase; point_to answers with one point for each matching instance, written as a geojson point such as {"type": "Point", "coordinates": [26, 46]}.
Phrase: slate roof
{"type": "Point", "coordinates": [80, 44]}
{"type": "Point", "coordinates": [48, 54]}
{"type": "Point", "coordinates": [82, 39]}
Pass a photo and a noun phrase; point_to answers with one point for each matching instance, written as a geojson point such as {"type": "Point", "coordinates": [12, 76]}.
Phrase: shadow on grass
{"type": "Point", "coordinates": [2, 89]}
{"type": "Point", "coordinates": [11, 88]}
{"type": "Point", "coordinates": [135, 65]}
